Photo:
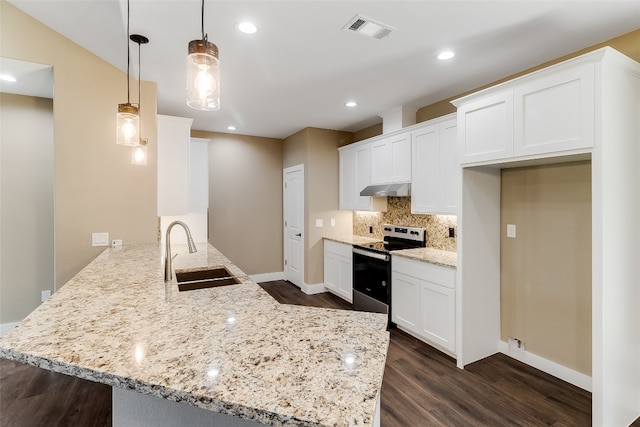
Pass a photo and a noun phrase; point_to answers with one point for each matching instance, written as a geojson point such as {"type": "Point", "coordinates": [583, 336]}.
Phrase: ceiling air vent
{"type": "Point", "coordinates": [367, 27]}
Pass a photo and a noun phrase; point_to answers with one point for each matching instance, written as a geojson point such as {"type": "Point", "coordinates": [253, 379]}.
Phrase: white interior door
{"type": "Point", "coordinates": [293, 198]}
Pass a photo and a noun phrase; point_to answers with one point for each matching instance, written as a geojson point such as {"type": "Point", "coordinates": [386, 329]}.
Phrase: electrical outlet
{"type": "Point", "coordinates": [100, 239]}
{"type": "Point", "coordinates": [44, 295]}
{"type": "Point", "coordinates": [452, 232]}
{"type": "Point", "coordinates": [516, 346]}
{"type": "Point", "coordinates": [333, 222]}
{"type": "Point", "coordinates": [511, 231]}
{"type": "Point", "coordinates": [319, 223]}
{"type": "Point", "coordinates": [370, 229]}
{"type": "Point", "coordinates": [116, 243]}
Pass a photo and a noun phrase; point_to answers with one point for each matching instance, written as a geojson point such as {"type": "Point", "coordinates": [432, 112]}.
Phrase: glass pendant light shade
{"type": "Point", "coordinates": [203, 76]}
{"type": "Point", "coordinates": [139, 153]}
{"type": "Point", "coordinates": [127, 125]}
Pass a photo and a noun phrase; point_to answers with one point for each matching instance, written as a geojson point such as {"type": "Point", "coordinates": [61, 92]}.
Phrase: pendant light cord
{"type": "Point", "coordinates": [128, 53]}
{"type": "Point", "coordinates": [202, 21]}
{"type": "Point", "coordinates": [139, 82]}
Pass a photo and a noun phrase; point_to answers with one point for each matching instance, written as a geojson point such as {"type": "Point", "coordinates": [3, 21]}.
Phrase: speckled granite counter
{"type": "Point", "coordinates": [233, 349]}
{"type": "Point", "coordinates": [434, 256]}
{"type": "Point", "coordinates": [352, 239]}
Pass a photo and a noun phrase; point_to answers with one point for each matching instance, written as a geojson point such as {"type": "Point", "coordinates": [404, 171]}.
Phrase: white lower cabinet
{"type": "Point", "coordinates": [405, 291]}
{"type": "Point", "coordinates": [423, 301]}
{"type": "Point", "coordinates": [338, 269]}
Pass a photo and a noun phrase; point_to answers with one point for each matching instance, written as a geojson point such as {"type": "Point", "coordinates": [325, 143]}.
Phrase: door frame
{"type": "Point", "coordinates": [285, 171]}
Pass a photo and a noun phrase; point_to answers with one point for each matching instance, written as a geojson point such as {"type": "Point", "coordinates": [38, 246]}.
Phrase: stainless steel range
{"type": "Point", "coordinates": [372, 266]}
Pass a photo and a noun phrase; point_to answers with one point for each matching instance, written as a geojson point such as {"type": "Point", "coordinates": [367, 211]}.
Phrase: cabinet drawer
{"type": "Point", "coordinates": [444, 276]}
{"type": "Point", "coordinates": [342, 249]}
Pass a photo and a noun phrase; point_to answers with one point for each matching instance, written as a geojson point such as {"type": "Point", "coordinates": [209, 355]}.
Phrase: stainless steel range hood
{"type": "Point", "coordinates": [382, 190]}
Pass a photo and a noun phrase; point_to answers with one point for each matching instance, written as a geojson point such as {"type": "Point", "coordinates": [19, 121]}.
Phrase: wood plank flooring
{"type": "Point", "coordinates": [421, 387]}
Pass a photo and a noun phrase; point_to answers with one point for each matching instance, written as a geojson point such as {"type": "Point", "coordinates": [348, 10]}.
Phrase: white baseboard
{"type": "Point", "coordinates": [318, 288]}
{"type": "Point", "coordinates": [267, 277]}
{"type": "Point", "coordinates": [6, 327]}
{"type": "Point", "coordinates": [552, 368]}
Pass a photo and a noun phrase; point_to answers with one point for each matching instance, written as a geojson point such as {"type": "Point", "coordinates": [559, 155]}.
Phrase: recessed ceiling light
{"type": "Point", "coordinates": [231, 127]}
{"type": "Point", "coordinates": [351, 104]}
{"type": "Point", "coordinates": [447, 54]}
{"type": "Point", "coordinates": [247, 28]}
{"type": "Point", "coordinates": [7, 78]}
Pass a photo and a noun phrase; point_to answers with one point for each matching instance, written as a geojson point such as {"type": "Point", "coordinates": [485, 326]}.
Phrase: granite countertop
{"type": "Point", "coordinates": [431, 255]}
{"type": "Point", "coordinates": [352, 239]}
{"type": "Point", "coordinates": [232, 349]}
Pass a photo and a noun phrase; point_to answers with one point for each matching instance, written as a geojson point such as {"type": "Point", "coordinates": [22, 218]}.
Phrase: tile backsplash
{"type": "Point", "coordinates": [399, 213]}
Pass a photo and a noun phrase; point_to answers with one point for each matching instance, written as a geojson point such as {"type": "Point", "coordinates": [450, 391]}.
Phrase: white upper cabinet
{"type": "Point", "coordinates": [355, 175]}
{"type": "Point", "coordinates": [555, 113]}
{"type": "Point", "coordinates": [435, 175]}
{"type": "Point", "coordinates": [391, 159]}
{"type": "Point", "coordinates": [546, 112]}
{"type": "Point", "coordinates": [486, 128]}
{"type": "Point", "coordinates": [174, 136]}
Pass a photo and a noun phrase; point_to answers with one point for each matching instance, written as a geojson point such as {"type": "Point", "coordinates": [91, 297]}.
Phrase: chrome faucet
{"type": "Point", "coordinates": [168, 274]}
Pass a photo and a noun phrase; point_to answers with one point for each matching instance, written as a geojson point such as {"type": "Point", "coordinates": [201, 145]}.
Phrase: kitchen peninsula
{"type": "Point", "coordinates": [231, 352]}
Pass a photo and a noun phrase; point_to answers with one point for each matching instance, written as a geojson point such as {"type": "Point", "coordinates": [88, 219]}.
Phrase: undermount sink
{"type": "Point", "coordinates": [207, 278]}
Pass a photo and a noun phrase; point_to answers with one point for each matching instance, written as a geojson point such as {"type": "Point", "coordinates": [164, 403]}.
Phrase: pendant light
{"type": "Point", "coordinates": [203, 73]}
{"type": "Point", "coordinates": [139, 154]}
{"type": "Point", "coordinates": [128, 119]}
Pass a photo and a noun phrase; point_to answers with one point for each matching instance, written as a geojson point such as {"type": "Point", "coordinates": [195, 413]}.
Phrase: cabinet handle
{"type": "Point", "coordinates": [299, 235]}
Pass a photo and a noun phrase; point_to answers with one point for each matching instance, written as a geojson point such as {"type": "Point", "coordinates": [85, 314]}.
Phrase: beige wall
{"type": "Point", "coordinates": [369, 132]}
{"type": "Point", "coordinates": [26, 204]}
{"type": "Point", "coordinates": [245, 200]}
{"type": "Point", "coordinates": [96, 187]}
{"type": "Point", "coordinates": [546, 270]}
{"type": "Point", "coordinates": [317, 149]}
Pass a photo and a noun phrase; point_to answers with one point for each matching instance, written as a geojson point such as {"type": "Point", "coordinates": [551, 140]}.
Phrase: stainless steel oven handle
{"type": "Point", "coordinates": [382, 257]}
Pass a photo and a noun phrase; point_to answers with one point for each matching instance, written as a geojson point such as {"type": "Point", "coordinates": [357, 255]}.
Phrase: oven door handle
{"type": "Point", "coordinates": [370, 254]}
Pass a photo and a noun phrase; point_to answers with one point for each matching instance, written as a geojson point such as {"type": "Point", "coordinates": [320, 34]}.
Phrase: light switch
{"type": "Point", "coordinates": [100, 239]}
{"type": "Point", "coordinates": [333, 222]}
{"type": "Point", "coordinates": [511, 231]}
{"type": "Point", "coordinates": [319, 223]}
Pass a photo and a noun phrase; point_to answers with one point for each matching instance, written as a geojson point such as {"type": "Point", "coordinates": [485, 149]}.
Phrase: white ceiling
{"type": "Point", "coordinates": [300, 68]}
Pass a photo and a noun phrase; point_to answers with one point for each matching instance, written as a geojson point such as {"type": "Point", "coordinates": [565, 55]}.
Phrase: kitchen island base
{"type": "Point", "coordinates": [130, 408]}
{"type": "Point", "coordinates": [133, 409]}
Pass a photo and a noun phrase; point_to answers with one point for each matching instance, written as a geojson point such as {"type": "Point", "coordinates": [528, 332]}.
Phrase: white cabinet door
{"type": "Point", "coordinates": [437, 314]}
{"type": "Point", "coordinates": [363, 177]}
{"type": "Point", "coordinates": [435, 182]}
{"type": "Point", "coordinates": [401, 158]}
{"type": "Point", "coordinates": [331, 270]}
{"type": "Point", "coordinates": [391, 159]}
{"type": "Point", "coordinates": [174, 136]}
{"type": "Point", "coordinates": [486, 128]}
{"type": "Point", "coordinates": [345, 274]}
{"type": "Point", "coordinates": [355, 175]}
{"type": "Point", "coordinates": [338, 269]}
{"type": "Point", "coordinates": [348, 181]}
{"type": "Point", "coordinates": [380, 162]}
{"type": "Point", "coordinates": [450, 171]}
{"type": "Point", "coordinates": [425, 184]}
{"type": "Point", "coordinates": [555, 113]}
{"type": "Point", "coordinates": [405, 291]}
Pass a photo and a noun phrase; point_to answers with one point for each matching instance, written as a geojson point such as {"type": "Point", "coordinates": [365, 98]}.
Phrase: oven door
{"type": "Point", "coordinates": [371, 278]}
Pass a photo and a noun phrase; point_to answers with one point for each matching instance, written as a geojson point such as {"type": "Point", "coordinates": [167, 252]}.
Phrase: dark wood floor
{"type": "Point", "coordinates": [421, 387]}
